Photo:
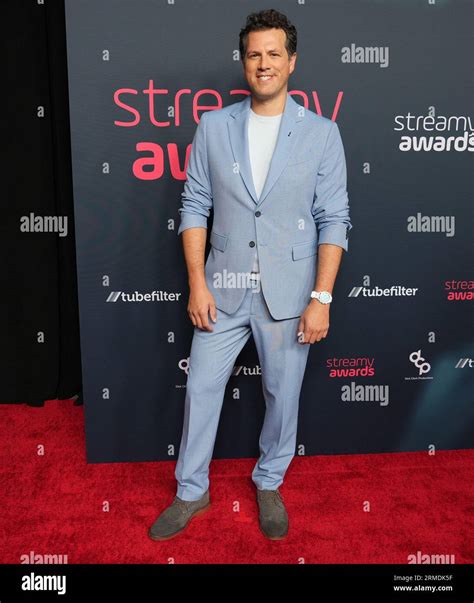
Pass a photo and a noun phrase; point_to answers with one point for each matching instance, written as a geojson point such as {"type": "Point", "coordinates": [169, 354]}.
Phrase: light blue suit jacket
{"type": "Point", "coordinates": [303, 203]}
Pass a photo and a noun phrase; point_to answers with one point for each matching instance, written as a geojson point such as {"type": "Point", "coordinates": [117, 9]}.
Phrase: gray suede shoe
{"type": "Point", "coordinates": [176, 517]}
{"type": "Point", "coordinates": [272, 517]}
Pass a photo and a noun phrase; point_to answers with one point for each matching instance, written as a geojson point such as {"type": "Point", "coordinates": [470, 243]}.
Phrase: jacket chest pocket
{"type": "Point", "coordinates": [300, 161]}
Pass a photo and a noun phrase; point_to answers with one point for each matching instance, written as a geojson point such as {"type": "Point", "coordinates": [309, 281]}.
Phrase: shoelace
{"type": "Point", "coordinates": [181, 504]}
{"type": "Point", "coordinates": [273, 494]}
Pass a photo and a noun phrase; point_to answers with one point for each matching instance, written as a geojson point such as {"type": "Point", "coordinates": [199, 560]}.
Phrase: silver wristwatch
{"type": "Point", "coordinates": [323, 296]}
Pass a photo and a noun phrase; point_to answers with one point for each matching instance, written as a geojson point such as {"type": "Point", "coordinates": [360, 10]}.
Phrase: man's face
{"type": "Point", "coordinates": [266, 63]}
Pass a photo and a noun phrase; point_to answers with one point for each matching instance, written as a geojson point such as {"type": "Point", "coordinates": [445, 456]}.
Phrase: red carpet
{"type": "Point", "coordinates": [53, 504]}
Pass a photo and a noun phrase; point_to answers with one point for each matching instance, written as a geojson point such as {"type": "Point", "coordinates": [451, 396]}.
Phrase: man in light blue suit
{"type": "Point", "coordinates": [274, 174]}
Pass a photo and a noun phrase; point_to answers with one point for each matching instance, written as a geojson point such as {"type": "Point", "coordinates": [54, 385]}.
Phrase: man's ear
{"type": "Point", "coordinates": [293, 62]}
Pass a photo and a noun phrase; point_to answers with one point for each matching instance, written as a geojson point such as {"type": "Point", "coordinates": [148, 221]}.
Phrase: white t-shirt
{"type": "Point", "coordinates": [262, 133]}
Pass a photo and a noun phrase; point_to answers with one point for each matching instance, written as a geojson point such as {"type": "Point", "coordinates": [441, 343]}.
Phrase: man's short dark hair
{"type": "Point", "coordinates": [268, 19]}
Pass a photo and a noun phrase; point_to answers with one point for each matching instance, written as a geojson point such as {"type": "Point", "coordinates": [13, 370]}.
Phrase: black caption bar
{"type": "Point", "coordinates": [228, 582]}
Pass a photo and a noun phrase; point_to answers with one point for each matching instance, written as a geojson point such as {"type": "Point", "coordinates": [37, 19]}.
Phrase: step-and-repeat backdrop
{"type": "Point", "coordinates": [395, 371]}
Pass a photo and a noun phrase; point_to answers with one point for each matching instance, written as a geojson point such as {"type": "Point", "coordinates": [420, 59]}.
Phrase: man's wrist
{"type": "Point", "coordinates": [197, 280]}
{"type": "Point", "coordinates": [314, 303]}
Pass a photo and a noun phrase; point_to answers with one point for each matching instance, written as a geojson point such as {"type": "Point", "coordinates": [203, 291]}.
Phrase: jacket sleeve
{"type": "Point", "coordinates": [330, 208]}
{"type": "Point", "coordinates": [196, 199]}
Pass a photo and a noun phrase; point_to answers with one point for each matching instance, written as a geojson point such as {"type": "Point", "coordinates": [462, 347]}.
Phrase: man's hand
{"type": "Point", "coordinates": [314, 322]}
{"type": "Point", "coordinates": [201, 302]}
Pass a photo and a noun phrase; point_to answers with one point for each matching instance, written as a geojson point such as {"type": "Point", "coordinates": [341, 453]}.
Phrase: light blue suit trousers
{"type": "Point", "coordinates": [213, 354]}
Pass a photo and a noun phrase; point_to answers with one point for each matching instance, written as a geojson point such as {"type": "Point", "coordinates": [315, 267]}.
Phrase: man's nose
{"type": "Point", "coordinates": [263, 66]}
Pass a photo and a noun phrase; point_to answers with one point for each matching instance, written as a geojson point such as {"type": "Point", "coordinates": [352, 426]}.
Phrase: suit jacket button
{"type": "Point", "coordinates": [258, 214]}
{"type": "Point", "coordinates": [252, 244]}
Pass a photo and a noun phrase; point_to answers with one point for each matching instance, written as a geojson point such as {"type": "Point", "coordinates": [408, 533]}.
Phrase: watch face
{"type": "Point", "coordinates": [325, 297]}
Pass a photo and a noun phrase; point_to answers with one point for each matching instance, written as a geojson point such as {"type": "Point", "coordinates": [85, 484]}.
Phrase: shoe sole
{"type": "Point", "coordinates": [195, 514]}
{"type": "Point", "coordinates": [273, 537]}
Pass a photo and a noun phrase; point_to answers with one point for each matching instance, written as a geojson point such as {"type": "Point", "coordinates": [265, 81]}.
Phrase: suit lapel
{"type": "Point", "coordinates": [238, 134]}
{"type": "Point", "coordinates": [286, 141]}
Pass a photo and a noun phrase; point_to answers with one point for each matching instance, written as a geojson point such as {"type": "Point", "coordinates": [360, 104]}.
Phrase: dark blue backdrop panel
{"type": "Point", "coordinates": [394, 372]}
